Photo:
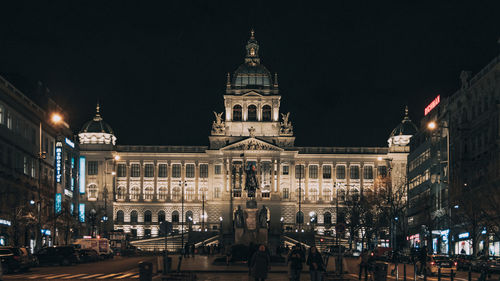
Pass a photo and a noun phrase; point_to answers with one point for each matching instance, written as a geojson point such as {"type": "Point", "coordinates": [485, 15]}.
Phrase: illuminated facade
{"type": "Point", "coordinates": [147, 184]}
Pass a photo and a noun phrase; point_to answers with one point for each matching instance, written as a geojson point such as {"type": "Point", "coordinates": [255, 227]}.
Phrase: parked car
{"type": "Point", "coordinates": [353, 253]}
{"type": "Point", "coordinates": [447, 265]}
{"type": "Point", "coordinates": [63, 255]}
{"type": "Point", "coordinates": [15, 258]}
{"type": "Point", "coordinates": [483, 261]}
{"type": "Point", "coordinates": [334, 250]}
{"type": "Point", "coordinates": [463, 261]}
{"type": "Point", "coordinates": [88, 255]}
{"type": "Point", "coordinates": [494, 265]}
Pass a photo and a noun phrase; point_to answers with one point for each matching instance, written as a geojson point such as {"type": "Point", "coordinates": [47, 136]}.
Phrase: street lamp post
{"type": "Point", "coordinates": [203, 206]}
{"type": "Point", "coordinates": [182, 214]}
{"type": "Point", "coordinates": [433, 126]}
{"type": "Point", "coordinates": [301, 216]}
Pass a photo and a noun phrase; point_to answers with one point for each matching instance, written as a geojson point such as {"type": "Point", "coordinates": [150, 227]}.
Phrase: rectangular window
{"type": "Point", "coordinates": [162, 170]}
{"type": "Point", "coordinates": [327, 172]}
{"type": "Point", "coordinates": [368, 172]}
{"type": "Point", "coordinates": [313, 172]}
{"type": "Point", "coordinates": [25, 165]}
{"type": "Point", "coordinates": [299, 171]}
{"type": "Point", "coordinates": [149, 170]}
{"type": "Point", "coordinates": [354, 172]}
{"type": "Point", "coordinates": [340, 172]}
{"type": "Point", "coordinates": [218, 169]}
{"type": "Point", "coordinates": [382, 171]}
{"type": "Point", "coordinates": [286, 193]}
{"type": "Point", "coordinates": [204, 171]}
{"type": "Point", "coordinates": [135, 170]}
{"type": "Point", "coordinates": [93, 168]}
{"type": "Point", "coordinates": [190, 171]}
{"type": "Point", "coordinates": [217, 192]}
{"type": "Point", "coordinates": [176, 170]}
{"type": "Point", "coordinates": [9, 120]}
{"type": "Point", "coordinates": [122, 170]}
{"type": "Point", "coordinates": [286, 170]}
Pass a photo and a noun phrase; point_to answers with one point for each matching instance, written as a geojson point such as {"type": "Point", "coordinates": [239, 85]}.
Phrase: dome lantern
{"type": "Point", "coordinates": [96, 131]}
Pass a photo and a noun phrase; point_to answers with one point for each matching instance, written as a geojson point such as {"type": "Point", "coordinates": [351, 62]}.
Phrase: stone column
{"type": "Point", "coordinates": [196, 180]}
{"type": "Point", "coordinates": [306, 181]}
{"type": "Point", "coordinates": [127, 191]}
{"type": "Point", "coordinates": [291, 171]}
{"type": "Point", "coordinates": [141, 170]}
{"type": "Point", "coordinates": [320, 180]}
{"type": "Point", "coordinates": [155, 182]}
{"type": "Point", "coordinates": [169, 179]}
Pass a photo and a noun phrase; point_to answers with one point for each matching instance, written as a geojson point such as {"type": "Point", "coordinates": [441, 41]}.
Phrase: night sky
{"type": "Point", "coordinates": [346, 70]}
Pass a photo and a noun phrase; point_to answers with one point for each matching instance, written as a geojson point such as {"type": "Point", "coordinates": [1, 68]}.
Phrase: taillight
{"type": "Point", "coordinates": [433, 263]}
{"type": "Point", "coordinates": [455, 263]}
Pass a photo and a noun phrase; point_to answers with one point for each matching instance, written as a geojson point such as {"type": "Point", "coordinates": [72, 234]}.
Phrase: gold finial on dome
{"type": "Point", "coordinates": [252, 34]}
{"type": "Point", "coordinates": [98, 112]}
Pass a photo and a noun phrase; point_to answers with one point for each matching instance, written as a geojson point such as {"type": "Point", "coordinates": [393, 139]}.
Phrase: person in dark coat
{"type": "Point", "coordinates": [315, 263]}
{"type": "Point", "coordinates": [295, 260]}
{"type": "Point", "coordinates": [260, 264]}
{"type": "Point", "coordinates": [251, 251]}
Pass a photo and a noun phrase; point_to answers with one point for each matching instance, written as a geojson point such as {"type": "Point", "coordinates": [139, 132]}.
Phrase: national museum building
{"type": "Point", "coordinates": [137, 187]}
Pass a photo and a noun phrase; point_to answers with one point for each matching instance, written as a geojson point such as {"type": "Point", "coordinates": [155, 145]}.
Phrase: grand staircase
{"type": "Point", "coordinates": [174, 242]}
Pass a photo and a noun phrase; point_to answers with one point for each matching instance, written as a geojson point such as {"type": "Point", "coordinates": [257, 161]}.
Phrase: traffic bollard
{"type": "Point", "coordinates": [470, 272]}
{"type": "Point", "coordinates": [451, 275]}
{"type": "Point", "coordinates": [145, 271]}
{"type": "Point", "coordinates": [397, 272]}
{"type": "Point", "coordinates": [415, 272]}
{"type": "Point", "coordinates": [179, 264]}
{"type": "Point", "coordinates": [439, 273]}
{"type": "Point", "coordinates": [404, 271]}
{"type": "Point", "coordinates": [425, 273]}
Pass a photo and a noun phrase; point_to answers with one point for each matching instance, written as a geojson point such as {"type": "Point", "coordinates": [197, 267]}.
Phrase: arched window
{"type": "Point", "coordinates": [189, 216]}
{"type": "Point", "coordinates": [162, 193]}
{"type": "Point", "coordinates": [266, 113]}
{"type": "Point", "coordinates": [120, 193]}
{"type": "Point", "coordinates": [92, 192]}
{"type": "Point", "coordinates": [175, 216]}
{"type": "Point", "coordinates": [120, 216]}
{"type": "Point", "coordinates": [354, 192]}
{"type": "Point", "coordinates": [148, 193]}
{"type": "Point", "coordinates": [237, 113]}
{"type": "Point", "coordinates": [313, 194]}
{"type": "Point", "coordinates": [327, 194]}
{"type": "Point", "coordinates": [252, 113]}
{"type": "Point", "coordinates": [161, 216]}
{"type": "Point", "coordinates": [147, 216]}
{"type": "Point", "coordinates": [341, 194]}
{"type": "Point", "coordinates": [189, 194]}
{"type": "Point", "coordinates": [176, 193]}
{"type": "Point", "coordinates": [134, 193]}
{"type": "Point", "coordinates": [133, 217]}
{"type": "Point", "coordinates": [327, 218]}
{"type": "Point", "coordinates": [299, 217]}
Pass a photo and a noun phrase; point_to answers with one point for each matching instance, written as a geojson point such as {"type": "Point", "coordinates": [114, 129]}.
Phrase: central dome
{"type": "Point", "coordinates": [252, 74]}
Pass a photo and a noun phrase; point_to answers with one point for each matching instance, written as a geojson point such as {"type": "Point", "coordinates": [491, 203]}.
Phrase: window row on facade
{"type": "Point", "coordinates": [314, 171]}
{"type": "Point", "coordinates": [252, 113]}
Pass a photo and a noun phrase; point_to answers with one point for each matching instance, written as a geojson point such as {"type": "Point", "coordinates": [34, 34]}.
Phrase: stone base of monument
{"type": "Point", "coordinates": [251, 233]}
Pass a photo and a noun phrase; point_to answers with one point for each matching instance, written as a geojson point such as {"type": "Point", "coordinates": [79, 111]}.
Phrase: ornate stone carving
{"type": "Point", "coordinates": [286, 127]}
{"type": "Point", "coordinates": [252, 144]}
{"type": "Point", "coordinates": [218, 126]}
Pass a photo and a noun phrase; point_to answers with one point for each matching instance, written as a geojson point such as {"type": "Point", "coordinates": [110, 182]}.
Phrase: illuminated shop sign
{"type": "Point", "coordinates": [5, 222]}
{"type": "Point", "coordinates": [58, 164]}
{"type": "Point", "coordinates": [82, 174]}
{"type": "Point", "coordinates": [68, 193]}
{"type": "Point", "coordinates": [69, 142]}
{"type": "Point", "coordinates": [81, 212]}
{"type": "Point", "coordinates": [463, 235]}
{"type": "Point", "coordinates": [432, 105]}
{"type": "Point", "coordinates": [58, 204]}
{"type": "Point", "coordinates": [72, 208]}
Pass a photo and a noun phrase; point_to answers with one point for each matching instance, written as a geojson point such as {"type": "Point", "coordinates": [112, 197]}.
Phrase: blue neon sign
{"type": "Point", "coordinates": [81, 213]}
{"type": "Point", "coordinates": [69, 142]}
{"type": "Point", "coordinates": [82, 174]}
{"type": "Point", "coordinates": [58, 204]}
{"type": "Point", "coordinates": [58, 164]}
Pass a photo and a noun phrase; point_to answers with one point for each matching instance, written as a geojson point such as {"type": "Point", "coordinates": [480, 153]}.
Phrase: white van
{"type": "Point", "coordinates": [100, 245]}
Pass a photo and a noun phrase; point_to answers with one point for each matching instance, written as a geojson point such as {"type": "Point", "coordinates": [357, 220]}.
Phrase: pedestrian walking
{"type": "Point", "coordinates": [395, 260]}
{"type": "Point", "coordinates": [315, 263]}
{"type": "Point", "coordinates": [423, 260]}
{"type": "Point", "coordinates": [295, 260]}
{"type": "Point", "coordinates": [363, 265]}
{"type": "Point", "coordinates": [260, 264]}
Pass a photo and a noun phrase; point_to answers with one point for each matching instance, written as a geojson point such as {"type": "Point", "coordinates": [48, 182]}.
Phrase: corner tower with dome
{"type": "Point", "coordinates": [200, 188]}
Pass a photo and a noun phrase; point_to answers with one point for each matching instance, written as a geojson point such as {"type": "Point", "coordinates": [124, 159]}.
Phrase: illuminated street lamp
{"type": "Point", "coordinates": [431, 125]}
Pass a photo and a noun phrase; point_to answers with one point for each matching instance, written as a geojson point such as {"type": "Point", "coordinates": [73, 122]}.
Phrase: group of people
{"type": "Point", "coordinates": [191, 250]}
{"type": "Point", "coordinates": [259, 262]}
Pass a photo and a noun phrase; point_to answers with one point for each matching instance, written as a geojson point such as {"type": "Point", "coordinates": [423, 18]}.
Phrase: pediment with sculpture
{"type": "Point", "coordinates": [252, 143]}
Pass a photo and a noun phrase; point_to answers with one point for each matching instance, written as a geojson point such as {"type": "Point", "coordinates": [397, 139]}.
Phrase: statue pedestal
{"type": "Point", "coordinates": [251, 232]}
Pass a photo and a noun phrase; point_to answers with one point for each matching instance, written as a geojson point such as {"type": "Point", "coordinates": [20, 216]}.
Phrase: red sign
{"type": "Point", "coordinates": [431, 105]}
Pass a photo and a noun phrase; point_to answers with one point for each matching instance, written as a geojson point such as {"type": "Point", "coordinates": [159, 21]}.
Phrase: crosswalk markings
{"type": "Point", "coordinates": [124, 275]}
{"type": "Point", "coordinates": [91, 276]}
{"type": "Point", "coordinates": [57, 276]}
{"type": "Point", "coordinates": [74, 276]}
{"type": "Point", "coordinates": [39, 276]}
{"type": "Point", "coordinates": [107, 276]}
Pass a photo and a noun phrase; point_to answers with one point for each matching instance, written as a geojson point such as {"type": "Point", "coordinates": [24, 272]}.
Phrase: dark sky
{"type": "Point", "coordinates": [346, 70]}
